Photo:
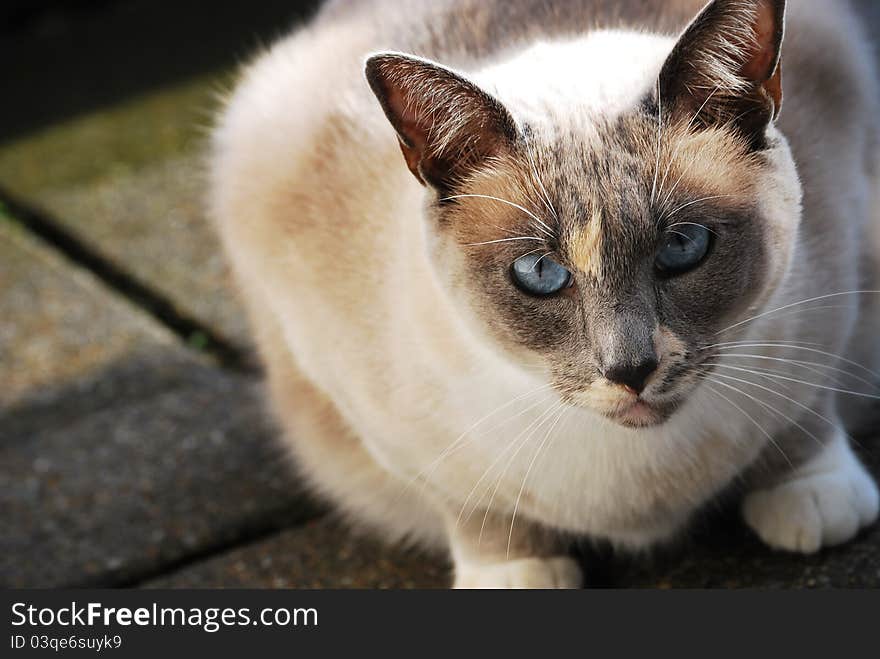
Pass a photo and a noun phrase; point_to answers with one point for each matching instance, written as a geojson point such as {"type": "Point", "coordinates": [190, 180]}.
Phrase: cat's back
{"type": "Point", "coordinates": [302, 130]}
{"type": "Point", "coordinates": [308, 92]}
{"type": "Point", "coordinates": [461, 32]}
{"type": "Point", "coordinates": [303, 148]}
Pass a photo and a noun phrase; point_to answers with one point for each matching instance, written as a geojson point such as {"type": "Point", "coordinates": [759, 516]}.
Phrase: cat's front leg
{"type": "Point", "coordinates": [824, 502]}
{"type": "Point", "coordinates": [490, 552]}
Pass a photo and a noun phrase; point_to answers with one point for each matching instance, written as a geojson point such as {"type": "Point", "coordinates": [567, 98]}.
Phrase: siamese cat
{"type": "Point", "coordinates": [528, 271]}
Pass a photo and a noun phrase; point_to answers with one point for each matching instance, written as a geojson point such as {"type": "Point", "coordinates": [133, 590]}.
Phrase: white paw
{"type": "Point", "coordinates": [537, 573]}
{"type": "Point", "coordinates": [827, 505]}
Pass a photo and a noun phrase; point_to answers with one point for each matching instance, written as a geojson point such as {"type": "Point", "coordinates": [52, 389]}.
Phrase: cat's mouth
{"type": "Point", "coordinates": [640, 413]}
{"type": "Point", "coordinates": [653, 407]}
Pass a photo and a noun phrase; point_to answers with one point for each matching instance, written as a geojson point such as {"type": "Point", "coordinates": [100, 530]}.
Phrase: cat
{"type": "Point", "coordinates": [526, 272]}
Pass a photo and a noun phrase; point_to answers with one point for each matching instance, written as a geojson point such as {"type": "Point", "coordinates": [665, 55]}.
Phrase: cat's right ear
{"type": "Point", "coordinates": [446, 125]}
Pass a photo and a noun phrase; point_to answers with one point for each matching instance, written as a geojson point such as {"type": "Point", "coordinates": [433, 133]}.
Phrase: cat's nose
{"type": "Point", "coordinates": [632, 375]}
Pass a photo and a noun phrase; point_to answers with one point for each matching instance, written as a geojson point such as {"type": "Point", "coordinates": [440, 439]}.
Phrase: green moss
{"type": "Point", "coordinates": [197, 341]}
{"type": "Point", "coordinates": [125, 137]}
{"type": "Point", "coordinates": [8, 220]}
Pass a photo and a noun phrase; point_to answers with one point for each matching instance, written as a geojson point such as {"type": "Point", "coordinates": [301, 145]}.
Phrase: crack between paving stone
{"type": "Point", "coordinates": [229, 355]}
{"type": "Point", "coordinates": [190, 330]}
{"type": "Point", "coordinates": [245, 537]}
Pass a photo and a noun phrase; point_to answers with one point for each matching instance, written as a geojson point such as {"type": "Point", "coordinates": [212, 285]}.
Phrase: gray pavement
{"type": "Point", "coordinates": [116, 493]}
{"type": "Point", "coordinates": [59, 322]}
{"type": "Point", "coordinates": [319, 554]}
{"type": "Point", "coordinates": [128, 181]}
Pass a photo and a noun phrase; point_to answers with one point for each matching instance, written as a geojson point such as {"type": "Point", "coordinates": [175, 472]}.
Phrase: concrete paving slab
{"type": "Point", "coordinates": [320, 554]}
{"type": "Point", "coordinates": [153, 223]}
{"type": "Point", "coordinates": [724, 554]}
{"type": "Point", "coordinates": [57, 322]}
{"type": "Point", "coordinates": [732, 558]}
{"type": "Point", "coordinates": [121, 451]}
{"type": "Point", "coordinates": [128, 181]}
{"type": "Point", "coordinates": [117, 490]}
{"type": "Point", "coordinates": [721, 553]}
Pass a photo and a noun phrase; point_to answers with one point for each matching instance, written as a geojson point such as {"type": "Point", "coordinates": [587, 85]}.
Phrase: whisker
{"type": "Point", "coordinates": [659, 140]}
{"type": "Point", "coordinates": [534, 251]}
{"type": "Point", "coordinates": [503, 201]}
{"type": "Point", "coordinates": [795, 312]}
{"type": "Point", "coordinates": [806, 365]}
{"type": "Point", "coordinates": [693, 203]}
{"type": "Point", "coordinates": [459, 441]}
{"type": "Point", "coordinates": [769, 408]}
{"type": "Point", "coordinates": [766, 374]}
{"type": "Point", "coordinates": [494, 463]}
{"type": "Point", "coordinates": [803, 382]}
{"type": "Point", "coordinates": [814, 371]}
{"type": "Point", "coordinates": [549, 434]}
{"type": "Point", "coordinates": [795, 304]}
{"type": "Point", "coordinates": [544, 196]}
{"type": "Point", "coordinates": [692, 224]}
{"type": "Point", "coordinates": [684, 136]}
{"type": "Point", "coordinates": [683, 235]}
{"type": "Point", "coordinates": [505, 240]}
{"type": "Point", "coordinates": [544, 232]}
{"type": "Point", "coordinates": [804, 348]}
{"type": "Point", "coordinates": [767, 343]}
{"type": "Point", "coordinates": [546, 416]}
{"type": "Point", "coordinates": [775, 410]}
{"type": "Point", "coordinates": [511, 233]}
{"type": "Point", "coordinates": [776, 393]}
{"type": "Point", "coordinates": [538, 262]}
{"type": "Point", "coordinates": [748, 416]}
{"type": "Point", "coordinates": [684, 173]}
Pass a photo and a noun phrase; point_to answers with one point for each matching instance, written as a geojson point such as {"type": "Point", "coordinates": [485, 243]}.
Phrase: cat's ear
{"type": "Point", "coordinates": [726, 66]}
{"type": "Point", "coordinates": [446, 125]}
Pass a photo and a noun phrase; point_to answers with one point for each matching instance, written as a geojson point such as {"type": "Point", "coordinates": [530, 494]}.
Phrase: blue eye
{"type": "Point", "coordinates": [540, 275]}
{"type": "Point", "coordinates": [684, 247]}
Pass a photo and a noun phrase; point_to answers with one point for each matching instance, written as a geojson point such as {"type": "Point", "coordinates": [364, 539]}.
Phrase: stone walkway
{"type": "Point", "coordinates": [134, 446]}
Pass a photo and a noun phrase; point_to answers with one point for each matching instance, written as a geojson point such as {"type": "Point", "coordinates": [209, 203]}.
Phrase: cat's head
{"type": "Point", "coordinates": [610, 232]}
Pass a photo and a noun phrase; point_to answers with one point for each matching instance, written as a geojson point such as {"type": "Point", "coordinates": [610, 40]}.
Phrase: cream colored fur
{"type": "Point", "coordinates": [401, 410]}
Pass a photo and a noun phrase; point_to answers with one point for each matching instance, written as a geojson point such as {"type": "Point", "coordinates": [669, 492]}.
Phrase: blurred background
{"type": "Point", "coordinates": [134, 447]}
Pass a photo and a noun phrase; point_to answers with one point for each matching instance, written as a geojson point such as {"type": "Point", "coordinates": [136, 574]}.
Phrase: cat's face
{"type": "Point", "coordinates": [610, 253]}
{"type": "Point", "coordinates": [616, 296]}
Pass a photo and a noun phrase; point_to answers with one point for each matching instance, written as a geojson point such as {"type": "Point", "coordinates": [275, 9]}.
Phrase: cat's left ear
{"type": "Point", "coordinates": [446, 125]}
{"type": "Point", "coordinates": [726, 69]}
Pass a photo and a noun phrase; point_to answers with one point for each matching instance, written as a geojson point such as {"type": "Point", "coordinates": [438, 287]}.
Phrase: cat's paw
{"type": "Point", "coordinates": [537, 573]}
{"type": "Point", "coordinates": [822, 508]}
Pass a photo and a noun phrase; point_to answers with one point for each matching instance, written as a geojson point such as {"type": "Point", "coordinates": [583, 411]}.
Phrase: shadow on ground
{"type": "Point", "coordinates": [75, 57]}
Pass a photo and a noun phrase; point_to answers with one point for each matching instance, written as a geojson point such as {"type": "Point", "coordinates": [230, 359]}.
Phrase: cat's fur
{"type": "Point", "coordinates": [430, 399]}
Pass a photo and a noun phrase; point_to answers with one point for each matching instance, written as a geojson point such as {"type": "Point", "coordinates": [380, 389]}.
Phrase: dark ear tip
{"type": "Point", "coordinates": [376, 72]}
{"type": "Point", "coordinates": [378, 61]}
{"type": "Point", "coordinates": [373, 65]}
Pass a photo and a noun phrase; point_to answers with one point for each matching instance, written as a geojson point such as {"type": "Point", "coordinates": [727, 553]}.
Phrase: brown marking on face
{"type": "Point", "coordinates": [707, 163]}
{"type": "Point", "coordinates": [608, 394]}
{"type": "Point", "coordinates": [669, 347]}
{"type": "Point", "coordinates": [485, 209]}
{"type": "Point", "coordinates": [585, 246]}
{"type": "Point", "coordinates": [606, 231]}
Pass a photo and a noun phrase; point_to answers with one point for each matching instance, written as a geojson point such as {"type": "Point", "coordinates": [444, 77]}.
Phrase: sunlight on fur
{"type": "Point", "coordinates": [575, 275]}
